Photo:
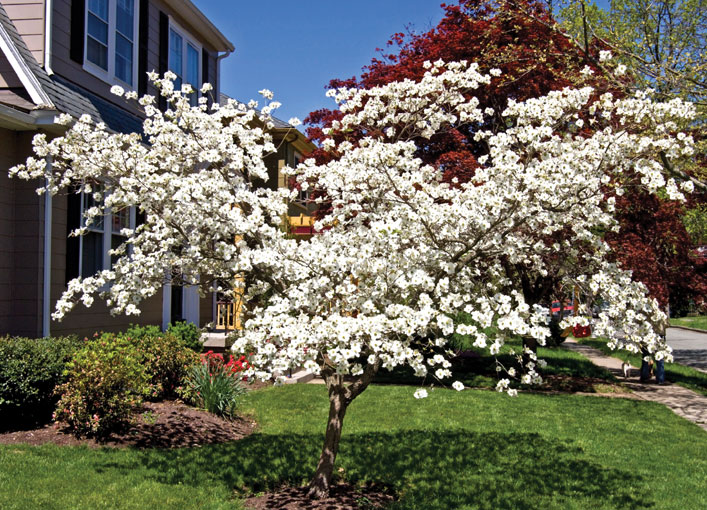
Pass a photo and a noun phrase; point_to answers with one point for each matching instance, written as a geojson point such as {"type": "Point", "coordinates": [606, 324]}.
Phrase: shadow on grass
{"type": "Point", "coordinates": [478, 369]}
{"type": "Point", "coordinates": [429, 470]}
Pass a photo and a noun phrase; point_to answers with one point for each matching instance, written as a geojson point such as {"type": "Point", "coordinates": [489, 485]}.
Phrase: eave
{"type": "Point", "coordinates": [199, 22]}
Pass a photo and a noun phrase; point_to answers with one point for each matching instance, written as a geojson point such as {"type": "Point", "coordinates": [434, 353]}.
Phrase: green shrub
{"type": "Point", "coordinates": [215, 385]}
{"type": "Point", "coordinates": [138, 331]}
{"type": "Point", "coordinates": [189, 333]}
{"type": "Point", "coordinates": [30, 369]}
{"type": "Point", "coordinates": [105, 383]}
{"type": "Point", "coordinates": [167, 361]}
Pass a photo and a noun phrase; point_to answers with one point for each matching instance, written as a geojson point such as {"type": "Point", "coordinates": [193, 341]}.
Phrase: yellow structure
{"type": "Point", "coordinates": [229, 314]}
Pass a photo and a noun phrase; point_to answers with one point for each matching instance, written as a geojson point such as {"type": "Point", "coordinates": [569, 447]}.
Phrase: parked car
{"type": "Point", "coordinates": [567, 311]}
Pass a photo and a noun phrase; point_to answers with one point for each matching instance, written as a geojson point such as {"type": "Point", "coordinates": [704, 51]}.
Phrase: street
{"type": "Point", "coordinates": [689, 347]}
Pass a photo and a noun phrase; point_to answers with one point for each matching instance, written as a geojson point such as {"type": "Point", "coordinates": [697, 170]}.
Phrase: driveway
{"type": "Point", "coordinates": [689, 347]}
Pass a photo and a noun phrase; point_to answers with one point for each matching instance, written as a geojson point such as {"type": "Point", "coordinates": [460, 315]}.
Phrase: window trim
{"type": "Point", "coordinates": [187, 39]}
{"type": "Point", "coordinates": [106, 232]}
{"type": "Point", "coordinates": [109, 76]}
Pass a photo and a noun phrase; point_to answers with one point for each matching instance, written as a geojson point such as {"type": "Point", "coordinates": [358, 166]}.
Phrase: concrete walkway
{"type": "Point", "coordinates": [683, 402]}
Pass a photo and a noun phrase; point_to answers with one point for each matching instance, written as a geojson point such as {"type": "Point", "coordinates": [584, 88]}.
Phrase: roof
{"type": "Point", "coordinates": [278, 123]}
{"type": "Point", "coordinates": [301, 142]}
{"type": "Point", "coordinates": [59, 94]}
{"type": "Point", "coordinates": [202, 24]}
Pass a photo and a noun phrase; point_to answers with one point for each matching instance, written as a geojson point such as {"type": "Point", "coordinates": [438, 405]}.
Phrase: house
{"type": "Point", "coordinates": [63, 56]}
{"type": "Point", "coordinates": [291, 146]}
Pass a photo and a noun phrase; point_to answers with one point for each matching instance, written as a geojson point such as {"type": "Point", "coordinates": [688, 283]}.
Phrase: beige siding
{"type": "Point", "coordinates": [28, 17]}
{"type": "Point", "coordinates": [82, 320]}
{"type": "Point", "coordinates": [20, 242]}
{"type": "Point", "coordinates": [21, 257]}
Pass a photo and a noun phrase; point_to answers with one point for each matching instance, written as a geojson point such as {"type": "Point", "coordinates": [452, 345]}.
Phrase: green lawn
{"type": "Point", "coordinates": [676, 373]}
{"type": "Point", "coordinates": [474, 449]}
{"type": "Point", "coordinates": [691, 322]}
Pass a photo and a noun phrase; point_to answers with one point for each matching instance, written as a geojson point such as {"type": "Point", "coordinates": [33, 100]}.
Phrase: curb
{"type": "Point", "coordinates": [686, 328]}
{"type": "Point", "coordinates": [300, 377]}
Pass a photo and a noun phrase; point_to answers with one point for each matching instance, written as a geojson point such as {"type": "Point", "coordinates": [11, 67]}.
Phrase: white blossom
{"type": "Point", "coordinates": [400, 252]}
{"type": "Point", "coordinates": [420, 393]}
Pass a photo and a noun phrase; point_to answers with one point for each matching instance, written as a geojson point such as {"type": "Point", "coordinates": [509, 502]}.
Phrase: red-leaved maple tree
{"type": "Point", "coordinates": [534, 58]}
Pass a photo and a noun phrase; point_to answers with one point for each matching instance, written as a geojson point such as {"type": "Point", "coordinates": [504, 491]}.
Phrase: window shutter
{"type": "Point", "coordinates": [164, 53]}
{"type": "Point", "coordinates": [73, 221]}
{"type": "Point", "coordinates": [78, 30]}
{"type": "Point", "coordinates": [205, 70]}
{"type": "Point", "coordinates": [143, 34]}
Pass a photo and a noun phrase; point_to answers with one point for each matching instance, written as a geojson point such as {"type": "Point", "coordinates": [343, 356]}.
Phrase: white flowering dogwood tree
{"type": "Point", "coordinates": [401, 252]}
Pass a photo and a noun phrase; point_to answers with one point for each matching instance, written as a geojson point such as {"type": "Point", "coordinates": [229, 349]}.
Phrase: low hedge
{"type": "Point", "coordinates": [93, 385]}
{"type": "Point", "coordinates": [30, 370]}
{"type": "Point", "coordinates": [109, 378]}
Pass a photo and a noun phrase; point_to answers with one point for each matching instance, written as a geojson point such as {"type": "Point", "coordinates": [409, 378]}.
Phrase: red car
{"type": "Point", "coordinates": [555, 308]}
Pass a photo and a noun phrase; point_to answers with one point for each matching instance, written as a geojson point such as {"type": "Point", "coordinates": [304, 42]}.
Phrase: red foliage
{"type": "Point", "coordinates": [654, 244]}
{"type": "Point", "coordinates": [534, 59]}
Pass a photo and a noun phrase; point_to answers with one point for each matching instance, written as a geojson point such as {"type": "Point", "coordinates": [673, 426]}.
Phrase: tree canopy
{"type": "Point", "coordinates": [537, 55]}
{"type": "Point", "coordinates": [401, 250]}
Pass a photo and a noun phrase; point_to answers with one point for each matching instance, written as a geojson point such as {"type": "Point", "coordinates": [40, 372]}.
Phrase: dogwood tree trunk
{"type": "Point", "coordinates": [319, 486]}
{"type": "Point", "coordinates": [340, 397]}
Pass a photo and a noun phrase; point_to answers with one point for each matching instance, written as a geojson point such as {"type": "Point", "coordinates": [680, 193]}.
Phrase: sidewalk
{"type": "Point", "coordinates": [681, 401]}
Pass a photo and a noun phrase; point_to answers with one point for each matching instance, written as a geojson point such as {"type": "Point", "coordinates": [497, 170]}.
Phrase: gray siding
{"type": "Point", "coordinates": [72, 71]}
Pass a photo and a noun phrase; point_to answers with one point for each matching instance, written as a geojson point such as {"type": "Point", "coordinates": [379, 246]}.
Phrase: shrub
{"type": "Point", "coordinates": [30, 369]}
{"type": "Point", "coordinates": [167, 361]}
{"type": "Point", "coordinates": [105, 384]}
{"type": "Point", "coordinates": [215, 385]}
{"type": "Point", "coordinates": [138, 331]}
{"type": "Point", "coordinates": [189, 333]}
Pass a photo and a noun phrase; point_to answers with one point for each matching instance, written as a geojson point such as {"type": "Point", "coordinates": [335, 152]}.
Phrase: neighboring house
{"type": "Point", "coordinates": [62, 56]}
{"type": "Point", "coordinates": [292, 146]}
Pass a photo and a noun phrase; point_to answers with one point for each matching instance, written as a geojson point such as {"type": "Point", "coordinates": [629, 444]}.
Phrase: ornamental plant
{"type": "Point", "coordinates": [167, 361]}
{"type": "Point", "coordinates": [216, 385]}
{"type": "Point", "coordinates": [401, 251]}
{"type": "Point", "coordinates": [187, 332]}
{"type": "Point", "coordinates": [30, 369]}
{"type": "Point", "coordinates": [105, 384]}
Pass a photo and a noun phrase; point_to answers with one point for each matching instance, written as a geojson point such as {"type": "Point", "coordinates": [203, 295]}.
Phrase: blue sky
{"type": "Point", "coordinates": [295, 48]}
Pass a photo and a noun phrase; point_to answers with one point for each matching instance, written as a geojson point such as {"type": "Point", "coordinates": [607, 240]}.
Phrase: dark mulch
{"type": "Point", "coordinates": [342, 496]}
{"type": "Point", "coordinates": [168, 424]}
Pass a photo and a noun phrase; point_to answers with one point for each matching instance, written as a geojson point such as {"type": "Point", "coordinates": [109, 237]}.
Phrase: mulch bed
{"type": "Point", "coordinates": [342, 496]}
{"type": "Point", "coordinates": [167, 424]}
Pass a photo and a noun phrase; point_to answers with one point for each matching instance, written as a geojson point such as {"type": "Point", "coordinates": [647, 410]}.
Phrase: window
{"type": "Point", "coordinates": [111, 49]}
{"type": "Point", "coordinates": [184, 56]}
{"type": "Point", "coordinates": [102, 235]}
{"type": "Point", "coordinates": [92, 242]}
